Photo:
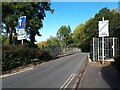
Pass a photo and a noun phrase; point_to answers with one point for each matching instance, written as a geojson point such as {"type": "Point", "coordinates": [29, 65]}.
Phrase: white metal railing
{"type": "Point", "coordinates": [111, 48]}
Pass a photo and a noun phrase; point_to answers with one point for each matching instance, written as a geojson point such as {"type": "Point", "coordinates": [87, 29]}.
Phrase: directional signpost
{"type": "Point", "coordinates": [21, 27]}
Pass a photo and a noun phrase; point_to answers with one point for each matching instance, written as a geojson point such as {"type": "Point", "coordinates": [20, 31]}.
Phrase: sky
{"type": "Point", "coordinates": [70, 13]}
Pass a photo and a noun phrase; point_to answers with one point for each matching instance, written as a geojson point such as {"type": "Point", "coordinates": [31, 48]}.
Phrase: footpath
{"type": "Point", "coordinates": [97, 75]}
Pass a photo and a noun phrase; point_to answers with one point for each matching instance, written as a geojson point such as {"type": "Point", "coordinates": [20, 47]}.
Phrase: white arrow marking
{"type": "Point", "coordinates": [20, 21]}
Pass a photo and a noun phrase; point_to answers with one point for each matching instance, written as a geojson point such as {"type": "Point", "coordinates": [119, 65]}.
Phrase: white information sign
{"type": "Point", "coordinates": [21, 34]}
{"type": "Point", "coordinates": [103, 28]}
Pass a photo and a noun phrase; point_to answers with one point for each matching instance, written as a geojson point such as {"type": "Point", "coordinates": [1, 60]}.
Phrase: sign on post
{"type": "Point", "coordinates": [21, 27]}
{"type": "Point", "coordinates": [103, 28]}
{"type": "Point", "coordinates": [22, 22]}
{"type": "Point", "coordinates": [103, 32]}
{"type": "Point", "coordinates": [21, 34]}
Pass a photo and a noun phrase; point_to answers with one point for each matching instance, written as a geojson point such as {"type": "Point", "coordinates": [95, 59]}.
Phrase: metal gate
{"type": "Point", "coordinates": [111, 48]}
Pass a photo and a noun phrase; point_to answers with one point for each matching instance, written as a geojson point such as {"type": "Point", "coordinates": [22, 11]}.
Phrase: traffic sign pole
{"type": "Point", "coordinates": [22, 41]}
{"type": "Point", "coordinates": [98, 49]}
{"type": "Point", "coordinates": [103, 45]}
{"type": "Point", "coordinates": [113, 46]}
{"type": "Point", "coordinates": [103, 50]}
{"type": "Point", "coordinates": [93, 50]}
{"type": "Point", "coordinates": [103, 32]}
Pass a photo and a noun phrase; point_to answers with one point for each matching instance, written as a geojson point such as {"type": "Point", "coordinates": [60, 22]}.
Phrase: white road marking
{"type": "Point", "coordinates": [67, 82]}
{"type": "Point", "coordinates": [70, 81]}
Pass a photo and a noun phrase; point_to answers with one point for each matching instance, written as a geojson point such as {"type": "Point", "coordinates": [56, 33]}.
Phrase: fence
{"type": "Point", "coordinates": [56, 51]}
{"type": "Point", "coordinates": [111, 48]}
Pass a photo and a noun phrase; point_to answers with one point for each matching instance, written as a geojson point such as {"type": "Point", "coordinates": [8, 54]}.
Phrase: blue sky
{"type": "Point", "coordinates": [70, 13]}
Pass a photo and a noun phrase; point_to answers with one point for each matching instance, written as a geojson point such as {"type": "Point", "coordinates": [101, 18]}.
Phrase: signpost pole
{"type": "Point", "coordinates": [103, 19]}
{"type": "Point", "coordinates": [113, 47]}
{"type": "Point", "coordinates": [103, 32]}
{"type": "Point", "coordinates": [98, 48]}
{"type": "Point", "coordinates": [103, 50]}
{"type": "Point", "coordinates": [93, 51]}
{"type": "Point", "coordinates": [103, 45]}
{"type": "Point", "coordinates": [22, 41]}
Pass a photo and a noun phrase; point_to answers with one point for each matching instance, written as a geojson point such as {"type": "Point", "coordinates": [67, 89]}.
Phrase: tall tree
{"type": "Point", "coordinates": [78, 35]}
{"type": "Point", "coordinates": [42, 44]}
{"type": "Point", "coordinates": [52, 41]}
{"type": "Point", "coordinates": [34, 11]}
{"type": "Point", "coordinates": [63, 35]}
{"type": "Point", "coordinates": [90, 28]}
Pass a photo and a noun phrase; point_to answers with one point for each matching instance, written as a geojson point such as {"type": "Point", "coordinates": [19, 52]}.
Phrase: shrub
{"type": "Point", "coordinates": [21, 55]}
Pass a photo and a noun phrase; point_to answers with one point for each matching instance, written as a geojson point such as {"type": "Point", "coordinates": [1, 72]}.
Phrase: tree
{"type": "Point", "coordinates": [52, 41]}
{"type": "Point", "coordinates": [91, 28]}
{"type": "Point", "coordinates": [42, 44]}
{"type": "Point", "coordinates": [115, 23]}
{"type": "Point", "coordinates": [7, 19]}
{"type": "Point", "coordinates": [78, 35]}
{"type": "Point", "coordinates": [83, 34]}
{"type": "Point", "coordinates": [63, 34]}
{"type": "Point", "coordinates": [34, 11]}
{"type": "Point", "coordinates": [4, 39]}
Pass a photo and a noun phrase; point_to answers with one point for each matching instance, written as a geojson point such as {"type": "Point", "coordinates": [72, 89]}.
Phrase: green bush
{"type": "Point", "coordinates": [15, 56]}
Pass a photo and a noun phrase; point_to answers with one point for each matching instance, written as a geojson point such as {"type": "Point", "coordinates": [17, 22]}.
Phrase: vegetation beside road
{"type": "Point", "coordinates": [14, 54]}
{"type": "Point", "coordinates": [22, 55]}
{"type": "Point", "coordinates": [83, 34]}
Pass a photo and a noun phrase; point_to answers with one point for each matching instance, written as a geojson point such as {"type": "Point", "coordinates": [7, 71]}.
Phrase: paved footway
{"type": "Point", "coordinates": [98, 76]}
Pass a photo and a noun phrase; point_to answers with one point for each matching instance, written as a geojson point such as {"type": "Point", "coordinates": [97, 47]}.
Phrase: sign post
{"type": "Point", "coordinates": [103, 50]}
{"type": "Point", "coordinates": [93, 50]}
{"type": "Point", "coordinates": [113, 46]}
{"type": "Point", "coordinates": [21, 27]}
{"type": "Point", "coordinates": [103, 32]}
{"type": "Point", "coordinates": [98, 49]}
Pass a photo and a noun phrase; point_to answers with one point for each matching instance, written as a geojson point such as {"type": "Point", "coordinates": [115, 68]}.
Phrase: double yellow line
{"type": "Point", "coordinates": [67, 82]}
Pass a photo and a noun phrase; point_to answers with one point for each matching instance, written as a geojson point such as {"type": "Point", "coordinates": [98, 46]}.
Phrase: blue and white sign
{"type": "Point", "coordinates": [21, 26]}
{"type": "Point", "coordinates": [22, 22]}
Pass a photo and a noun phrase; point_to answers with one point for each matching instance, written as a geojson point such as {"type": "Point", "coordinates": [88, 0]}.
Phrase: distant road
{"type": "Point", "coordinates": [59, 73]}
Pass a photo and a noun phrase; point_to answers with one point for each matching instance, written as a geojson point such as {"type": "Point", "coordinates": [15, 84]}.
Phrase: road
{"type": "Point", "coordinates": [59, 73]}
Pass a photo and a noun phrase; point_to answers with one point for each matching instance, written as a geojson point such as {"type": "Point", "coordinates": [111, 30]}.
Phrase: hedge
{"type": "Point", "coordinates": [21, 55]}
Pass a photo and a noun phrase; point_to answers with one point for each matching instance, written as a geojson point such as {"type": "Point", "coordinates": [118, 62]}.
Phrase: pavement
{"type": "Point", "coordinates": [97, 75]}
{"type": "Point", "coordinates": [58, 73]}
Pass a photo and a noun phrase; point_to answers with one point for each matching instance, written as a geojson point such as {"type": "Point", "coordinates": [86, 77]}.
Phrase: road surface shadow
{"type": "Point", "coordinates": [111, 76]}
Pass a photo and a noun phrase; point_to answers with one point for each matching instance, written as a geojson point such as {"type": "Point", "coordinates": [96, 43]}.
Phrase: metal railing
{"type": "Point", "coordinates": [56, 51]}
{"type": "Point", "coordinates": [111, 48]}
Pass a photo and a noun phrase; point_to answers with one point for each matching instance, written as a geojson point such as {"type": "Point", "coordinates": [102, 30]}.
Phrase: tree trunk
{"type": "Point", "coordinates": [10, 35]}
{"type": "Point", "coordinates": [32, 39]}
